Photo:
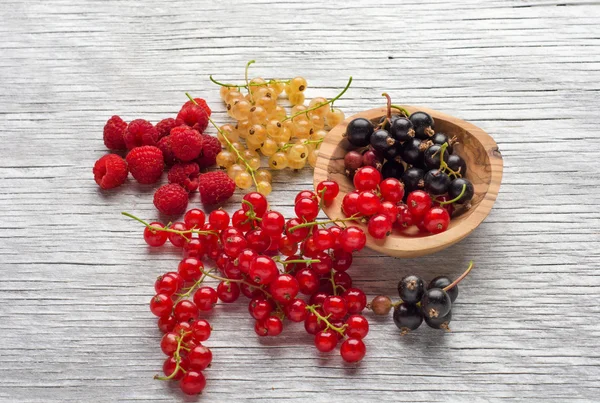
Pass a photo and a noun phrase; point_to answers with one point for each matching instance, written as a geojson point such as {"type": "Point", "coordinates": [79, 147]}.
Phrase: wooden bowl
{"type": "Point", "coordinates": [484, 169]}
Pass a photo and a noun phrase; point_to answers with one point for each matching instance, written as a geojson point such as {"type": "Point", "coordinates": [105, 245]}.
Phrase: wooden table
{"type": "Point", "coordinates": [76, 277]}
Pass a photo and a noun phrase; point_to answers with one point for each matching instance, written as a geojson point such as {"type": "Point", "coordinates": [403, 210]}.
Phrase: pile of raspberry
{"type": "Point", "coordinates": [178, 145]}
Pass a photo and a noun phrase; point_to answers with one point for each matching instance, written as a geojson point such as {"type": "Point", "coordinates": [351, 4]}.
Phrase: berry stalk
{"type": "Point", "coordinates": [183, 233]}
{"type": "Point", "coordinates": [354, 217]}
{"type": "Point", "coordinates": [401, 109]}
{"type": "Point", "coordinates": [331, 101]}
{"type": "Point", "coordinates": [313, 309]}
{"type": "Point", "coordinates": [177, 360]}
{"type": "Point", "coordinates": [460, 278]}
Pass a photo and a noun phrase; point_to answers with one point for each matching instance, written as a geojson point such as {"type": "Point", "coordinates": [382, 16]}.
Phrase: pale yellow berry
{"type": "Point", "coordinates": [277, 87]}
{"type": "Point", "coordinates": [242, 127]}
{"type": "Point", "coordinates": [233, 95]}
{"type": "Point", "coordinates": [297, 98]}
{"type": "Point", "coordinates": [268, 103]}
{"type": "Point", "coordinates": [298, 84]}
{"type": "Point", "coordinates": [299, 108]}
{"type": "Point", "coordinates": [278, 160]}
{"type": "Point", "coordinates": [258, 114]}
{"type": "Point", "coordinates": [287, 88]}
{"type": "Point", "coordinates": [252, 144]}
{"type": "Point", "coordinates": [264, 188]}
{"type": "Point", "coordinates": [237, 146]}
{"type": "Point", "coordinates": [286, 135]}
{"type": "Point", "coordinates": [263, 175]}
{"type": "Point", "coordinates": [321, 110]}
{"type": "Point", "coordinates": [299, 164]}
{"type": "Point", "coordinates": [257, 84]}
{"type": "Point", "coordinates": [312, 157]}
{"type": "Point", "coordinates": [303, 129]}
{"type": "Point", "coordinates": [243, 180]}
{"type": "Point", "coordinates": [318, 122]}
{"type": "Point", "coordinates": [225, 159]}
{"type": "Point", "coordinates": [230, 132]}
{"type": "Point", "coordinates": [274, 128]}
{"type": "Point", "coordinates": [224, 92]}
{"type": "Point", "coordinates": [247, 154]}
{"type": "Point", "coordinates": [256, 133]}
{"type": "Point", "coordinates": [318, 135]}
{"type": "Point", "coordinates": [234, 170]}
{"type": "Point", "coordinates": [334, 117]}
{"type": "Point", "coordinates": [269, 147]}
{"type": "Point", "coordinates": [254, 163]}
{"type": "Point", "coordinates": [241, 110]}
{"type": "Point", "coordinates": [297, 152]}
{"type": "Point", "coordinates": [278, 113]}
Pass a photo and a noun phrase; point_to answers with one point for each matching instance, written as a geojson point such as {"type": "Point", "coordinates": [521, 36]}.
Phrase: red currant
{"type": "Point", "coordinates": [166, 323]}
{"type": "Point", "coordinates": [205, 298]}
{"type": "Point", "coordinates": [307, 209]}
{"type": "Point", "coordinates": [418, 202]}
{"type": "Point", "coordinates": [169, 342]}
{"type": "Point", "coordinates": [185, 311]}
{"type": "Point", "coordinates": [380, 226]}
{"type": "Point", "coordinates": [219, 219]}
{"type": "Point", "coordinates": [323, 238]}
{"type": "Point", "coordinates": [312, 323]}
{"type": "Point", "coordinates": [366, 178]}
{"type": "Point", "coordinates": [448, 207]}
{"type": "Point", "coordinates": [335, 306]}
{"type": "Point", "coordinates": [391, 190]}
{"type": "Point", "coordinates": [228, 292]}
{"type": "Point", "coordinates": [272, 223]}
{"type": "Point", "coordinates": [263, 270]}
{"type": "Point", "coordinates": [436, 220]}
{"type": "Point", "coordinates": [201, 330]}
{"type": "Point", "coordinates": [293, 268]}
{"type": "Point", "coordinates": [240, 220]}
{"type": "Point", "coordinates": [356, 300]}
{"type": "Point", "coordinates": [287, 246]}
{"type": "Point", "coordinates": [194, 218]}
{"type": "Point", "coordinates": [358, 326]}
{"type": "Point", "coordinates": [284, 288]}
{"type": "Point", "coordinates": [192, 383]}
{"type": "Point", "coordinates": [353, 350]}
{"type": "Point", "coordinates": [326, 340]}
{"type": "Point", "coordinates": [155, 238]}
{"type": "Point", "coordinates": [260, 328]}
{"type": "Point", "coordinates": [234, 245]}
{"type": "Point", "coordinates": [309, 248]}
{"type": "Point", "coordinates": [274, 325]}
{"type": "Point", "coordinates": [341, 260]}
{"type": "Point", "coordinates": [335, 232]}
{"type": "Point", "coordinates": [389, 209]}
{"type": "Point", "coordinates": [404, 218]}
{"type": "Point", "coordinates": [308, 281]}
{"type": "Point", "coordinates": [245, 259]}
{"type": "Point", "coordinates": [319, 297]}
{"type": "Point", "coordinates": [260, 308]}
{"type": "Point", "coordinates": [167, 284]}
{"type": "Point", "coordinates": [170, 365]}
{"type": "Point", "coordinates": [305, 194]}
{"type": "Point", "coordinates": [329, 191]}
{"type": "Point", "coordinates": [368, 203]}
{"type": "Point", "coordinates": [161, 305]}
{"type": "Point", "coordinates": [350, 203]}
{"type": "Point", "coordinates": [194, 248]}
{"type": "Point", "coordinates": [190, 269]}
{"type": "Point", "coordinates": [251, 291]}
{"type": "Point", "coordinates": [183, 330]}
{"type": "Point", "coordinates": [298, 234]}
{"type": "Point", "coordinates": [296, 310]}
{"type": "Point", "coordinates": [258, 201]}
{"type": "Point", "coordinates": [200, 358]}
{"type": "Point", "coordinates": [176, 239]}
{"type": "Point", "coordinates": [324, 265]}
{"type": "Point", "coordinates": [258, 240]}
{"type": "Point", "coordinates": [342, 279]}
{"type": "Point", "coordinates": [352, 239]}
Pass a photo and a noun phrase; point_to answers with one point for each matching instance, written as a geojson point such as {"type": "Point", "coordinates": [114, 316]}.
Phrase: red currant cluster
{"type": "Point", "coordinates": [269, 260]}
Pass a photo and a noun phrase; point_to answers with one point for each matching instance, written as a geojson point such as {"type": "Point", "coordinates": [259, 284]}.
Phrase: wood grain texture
{"type": "Point", "coordinates": [76, 277]}
{"type": "Point", "coordinates": [476, 147]}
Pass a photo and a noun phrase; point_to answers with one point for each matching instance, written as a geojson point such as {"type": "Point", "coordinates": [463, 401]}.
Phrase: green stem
{"type": "Point", "coordinates": [177, 360]}
{"type": "Point", "coordinates": [192, 288]}
{"type": "Point", "coordinates": [284, 262]}
{"type": "Point", "coordinates": [246, 79]}
{"type": "Point", "coordinates": [389, 106]}
{"type": "Point", "coordinates": [401, 109]}
{"type": "Point", "coordinates": [331, 274]}
{"type": "Point", "coordinates": [340, 330]}
{"type": "Point", "coordinates": [244, 85]}
{"type": "Point", "coordinates": [250, 213]}
{"type": "Point", "coordinates": [336, 220]}
{"type": "Point", "coordinates": [183, 233]}
{"type": "Point", "coordinates": [457, 198]}
{"type": "Point", "coordinates": [459, 279]}
{"type": "Point", "coordinates": [236, 280]}
{"type": "Point", "coordinates": [338, 96]}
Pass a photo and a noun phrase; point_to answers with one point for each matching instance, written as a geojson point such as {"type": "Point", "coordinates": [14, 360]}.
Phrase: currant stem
{"type": "Point", "coordinates": [183, 233]}
{"type": "Point", "coordinates": [336, 220]}
{"type": "Point", "coordinates": [192, 288]}
{"type": "Point", "coordinates": [389, 106]}
{"type": "Point", "coordinates": [236, 280]}
{"type": "Point", "coordinates": [250, 213]}
{"type": "Point", "coordinates": [331, 274]}
{"type": "Point", "coordinates": [305, 142]}
{"type": "Point", "coordinates": [443, 165]}
{"type": "Point", "coordinates": [243, 85]}
{"type": "Point", "coordinates": [459, 279]}
{"type": "Point", "coordinates": [401, 109]}
{"type": "Point", "coordinates": [340, 330]}
{"type": "Point", "coordinates": [284, 262]}
{"type": "Point", "coordinates": [457, 198]}
{"type": "Point", "coordinates": [246, 78]}
{"type": "Point", "coordinates": [332, 100]}
{"type": "Point", "coordinates": [177, 360]}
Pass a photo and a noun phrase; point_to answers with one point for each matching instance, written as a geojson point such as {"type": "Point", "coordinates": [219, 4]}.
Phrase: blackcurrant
{"type": "Point", "coordinates": [392, 169]}
{"type": "Point", "coordinates": [412, 151]}
{"type": "Point", "coordinates": [436, 182]}
{"type": "Point", "coordinates": [411, 289]}
{"type": "Point", "coordinates": [431, 156]}
{"type": "Point", "coordinates": [435, 303]}
{"type": "Point", "coordinates": [359, 132]}
{"type": "Point", "coordinates": [413, 179]}
{"type": "Point", "coordinates": [423, 124]}
{"type": "Point", "coordinates": [440, 323]}
{"type": "Point", "coordinates": [441, 138]}
{"type": "Point", "coordinates": [456, 163]}
{"type": "Point", "coordinates": [385, 124]}
{"type": "Point", "coordinates": [443, 282]}
{"type": "Point", "coordinates": [381, 141]}
{"type": "Point", "coordinates": [402, 130]}
{"type": "Point", "coordinates": [456, 187]}
{"type": "Point", "coordinates": [407, 317]}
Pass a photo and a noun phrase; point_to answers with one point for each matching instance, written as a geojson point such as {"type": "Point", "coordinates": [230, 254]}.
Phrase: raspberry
{"type": "Point", "coordinates": [193, 115]}
{"type": "Point", "coordinates": [215, 187]}
{"type": "Point", "coordinates": [110, 171]}
{"type": "Point", "coordinates": [167, 149]}
{"type": "Point", "coordinates": [211, 146]}
{"type": "Point", "coordinates": [146, 164]}
{"type": "Point", "coordinates": [140, 132]}
{"type": "Point", "coordinates": [114, 130]}
{"type": "Point", "coordinates": [186, 143]}
{"type": "Point", "coordinates": [186, 175]}
{"type": "Point", "coordinates": [164, 127]}
{"type": "Point", "coordinates": [171, 199]}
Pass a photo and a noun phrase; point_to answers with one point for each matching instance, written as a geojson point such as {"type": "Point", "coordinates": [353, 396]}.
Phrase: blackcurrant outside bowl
{"type": "Point", "coordinates": [484, 170]}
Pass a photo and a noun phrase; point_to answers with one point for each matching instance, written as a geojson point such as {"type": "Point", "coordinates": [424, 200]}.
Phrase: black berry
{"type": "Point", "coordinates": [456, 163]}
{"type": "Point", "coordinates": [456, 187]}
{"type": "Point", "coordinates": [443, 282]}
{"type": "Point", "coordinates": [413, 179]}
{"type": "Point", "coordinates": [402, 130]}
{"type": "Point", "coordinates": [392, 169]}
{"type": "Point", "coordinates": [435, 303]}
{"type": "Point", "coordinates": [407, 317]}
{"type": "Point", "coordinates": [440, 322]}
{"type": "Point", "coordinates": [423, 124]}
{"type": "Point", "coordinates": [359, 132]}
{"type": "Point", "coordinates": [436, 182]}
{"type": "Point", "coordinates": [381, 141]}
{"type": "Point", "coordinates": [411, 289]}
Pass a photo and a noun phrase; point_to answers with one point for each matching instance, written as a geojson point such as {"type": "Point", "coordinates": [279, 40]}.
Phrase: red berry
{"type": "Point", "coordinates": [211, 146]}
{"type": "Point", "coordinates": [293, 268]}
{"type": "Point", "coordinates": [418, 202]}
{"type": "Point", "coordinates": [323, 238]}
{"type": "Point", "coordinates": [193, 115]}
{"type": "Point", "coordinates": [368, 203]}
{"type": "Point", "coordinates": [161, 305]}
{"type": "Point", "coordinates": [436, 220]}
{"type": "Point", "coordinates": [205, 298]}
{"type": "Point", "coordinates": [167, 284]}
{"type": "Point", "coordinates": [352, 239]}
{"type": "Point", "coordinates": [251, 291]}
{"type": "Point", "coordinates": [185, 311]}
{"type": "Point", "coordinates": [190, 269]}
{"type": "Point", "coordinates": [326, 340]}
{"type": "Point", "coordinates": [355, 299]}
{"type": "Point", "coordinates": [274, 326]}
{"type": "Point", "coordinates": [140, 133]}
{"type": "Point", "coordinates": [448, 207]}
{"type": "Point", "coordinates": [263, 270]}
{"type": "Point", "coordinates": [298, 234]}
{"type": "Point", "coordinates": [260, 328]}
{"type": "Point", "coordinates": [404, 219]}
{"type": "Point", "coordinates": [287, 246]}
{"type": "Point", "coordinates": [176, 239]}
{"type": "Point", "coordinates": [245, 259]}
{"type": "Point", "coordinates": [164, 127]}
{"type": "Point", "coordinates": [199, 358]}
{"type": "Point", "coordinates": [307, 209]}
{"type": "Point", "coordinates": [194, 218]}
{"type": "Point", "coordinates": [272, 223]}
{"type": "Point", "coordinates": [380, 226]}
{"type": "Point", "coordinates": [358, 326]}
{"type": "Point", "coordinates": [305, 194]}
{"type": "Point", "coordinates": [232, 270]}
{"type": "Point", "coordinates": [258, 240]}
{"type": "Point", "coordinates": [350, 203]}
{"type": "Point", "coordinates": [353, 350]}
{"type": "Point", "coordinates": [186, 143]}
{"type": "Point", "coordinates": [155, 238]}
{"type": "Point", "coordinates": [185, 174]}
{"type": "Point", "coordinates": [215, 187]}
{"type": "Point", "coordinates": [258, 201]}
{"type": "Point", "coordinates": [171, 199]}
{"type": "Point", "coordinates": [389, 209]}
{"type": "Point", "coordinates": [324, 265]}
{"type": "Point", "coordinates": [227, 232]}
{"type": "Point", "coordinates": [201, 330]}
{"type": "Point", "coordinates": [192, 383]}
{"type": "Point", "coordinates": [110, 171]}
{"type": "Point", "coordinates": [234, 245]}
{"type": "Point", "coordinates": [194, 248]}
{"type": "Point", "coordinates": [170, 365]}
{"type": "Point", "coordinates": [219, 219]}
{"type": "Point", "coordinates": [335, 306]}
{"type": "Point", "coordinates": [335, 232]}
{"type": "Point", "coordinates": [309, 248]}
{"type": "Point", "coordinates": [240, 220]}
{"type": "Point", "coordinates": [391, 190]}
{"type": "Point", "coordinates": [329, 191]}
{"type": "Point", "coordinates": [114, 131]}
{"type": "Point", "coordinates": [341, 260]}
{"type": "Point", "coordinates": [308, 281]}
{"type": "Point", "coordinates": [342, 279]}
{"type": "Point", "coordinates": [319, 298]}
{"type": "Point", "coordinates": [168, 343]}
{"type": "Point", "coordinates": [260, 308]}
{"type": "Point", "coordinates": [228, 292]}
{"type": "Point", "coordinates": [284, 288]}
{"type": "Point", "coordinates": [296, 310]}
{"type": "Point", "coordinates": [367, 178]}
{"type": "Point", "coordinates": [164, 145]}
{"type": "Point", "coordinates": [313, 325]}
{"type": "Point", "coordinates": [183, 330]}
{"type": "Point", "coordinates": [166, 323]}
{"type": "Point", "coordinates": [145, 164]}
